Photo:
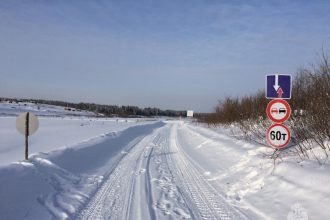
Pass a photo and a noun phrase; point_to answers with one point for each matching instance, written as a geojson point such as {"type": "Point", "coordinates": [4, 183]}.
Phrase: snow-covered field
{"type": "Point", "coordinates": [14, 109]}
{"type": "Point", "coordinates": [55, 133]}
{"type": "Point", "coordinates": [58, 128]}
{"type": "Point", "coordinates": [88, 168]}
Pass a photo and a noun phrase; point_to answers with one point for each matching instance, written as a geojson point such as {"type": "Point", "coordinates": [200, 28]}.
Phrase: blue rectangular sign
{"type": "Point", "coordinates": [278, 86]}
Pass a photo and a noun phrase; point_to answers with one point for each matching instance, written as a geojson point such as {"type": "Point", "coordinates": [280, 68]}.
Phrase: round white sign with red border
{"type": "Point", "coordinates": [278, 136]}
{"type": "Point", "coordinates": [278, 110]}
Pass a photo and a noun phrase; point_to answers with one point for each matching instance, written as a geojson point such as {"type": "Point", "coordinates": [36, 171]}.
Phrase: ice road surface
{"type": "Point", "coordinates": [104, 169]}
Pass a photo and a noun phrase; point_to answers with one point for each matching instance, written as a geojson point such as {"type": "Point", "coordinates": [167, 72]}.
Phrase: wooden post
{"type": "Point", "coordinates": [27, 136]}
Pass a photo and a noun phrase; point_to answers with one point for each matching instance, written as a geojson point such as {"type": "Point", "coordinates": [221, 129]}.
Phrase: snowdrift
{"type": "Point", "coordinates": [57, 184]}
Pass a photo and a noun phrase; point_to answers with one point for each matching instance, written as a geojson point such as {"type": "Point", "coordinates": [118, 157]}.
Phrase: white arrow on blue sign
{"type": "Point", "coordinates": [278, 86]}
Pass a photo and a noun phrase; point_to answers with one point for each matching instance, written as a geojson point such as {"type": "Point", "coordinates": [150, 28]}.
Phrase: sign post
{"type": "Point", "coordinates": [27, 124]}
{"type": "Point", "coordinates": [278, 88]}
{"type": "Point", "coordinates": [27, 135]}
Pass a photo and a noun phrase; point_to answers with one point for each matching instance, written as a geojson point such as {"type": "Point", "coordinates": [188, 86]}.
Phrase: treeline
{"type": "Point", "coordinates": [106, 110]}
{"type": "Point", "coordinates": [310, 119]}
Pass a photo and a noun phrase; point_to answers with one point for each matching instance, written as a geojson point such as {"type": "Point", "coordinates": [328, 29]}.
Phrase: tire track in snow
{"type": "Point", "coordinates": [209, 204]}
{"type": "Point", "coordinates": [148, 181]}
{"type": "Point", "coordinates": [142, 197]}
{"type": "Point", "coordinates": [115, 195]}
{"type": "Point", "coordinates": [156, 180]}
{"type": "Point", "coordinates": [170, 202]}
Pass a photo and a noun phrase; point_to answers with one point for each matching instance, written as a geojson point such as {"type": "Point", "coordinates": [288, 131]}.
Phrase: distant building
{"type": "Point", "coordinates": [190, 113]}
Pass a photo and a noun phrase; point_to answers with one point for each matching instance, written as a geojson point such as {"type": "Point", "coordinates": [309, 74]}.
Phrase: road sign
{"type": "Point", "coordinates": [278, 136]}
{"type": "Point", "coordinates": [33, 124]}
{"type": "Point", "coordinates": [278, 86]}
{"type": "Point", "coordinates": [27, 124]}
{"type": "Point", "coordinates": [278, 110]}
{"type": "Point", "coordinates": [190, 113]}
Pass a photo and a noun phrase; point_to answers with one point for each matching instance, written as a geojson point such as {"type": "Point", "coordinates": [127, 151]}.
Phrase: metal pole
{"type": "Point", "coordinates": [27, 136]}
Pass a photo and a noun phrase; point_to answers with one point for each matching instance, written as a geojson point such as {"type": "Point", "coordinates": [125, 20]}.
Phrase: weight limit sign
{"type": "Point", "coordinates": [278, 136]}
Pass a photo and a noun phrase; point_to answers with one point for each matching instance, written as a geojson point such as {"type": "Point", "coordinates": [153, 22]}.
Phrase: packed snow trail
{"type": "Point", "coordinates": [157, 180]}
{"type": "Point", "coordinates": [161, 170]}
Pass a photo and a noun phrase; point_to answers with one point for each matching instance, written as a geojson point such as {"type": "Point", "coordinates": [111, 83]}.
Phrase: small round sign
{"type": "Point", "coordinates": [278, 136]}
{"type": "Point", "coordinates": [278, 110]}
{"type": "Point", "coordinates": [33, 124]}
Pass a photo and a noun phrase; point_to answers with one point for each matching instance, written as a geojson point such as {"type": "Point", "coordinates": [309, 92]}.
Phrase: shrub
{"type": "Point", "coordinates": [311, 111]}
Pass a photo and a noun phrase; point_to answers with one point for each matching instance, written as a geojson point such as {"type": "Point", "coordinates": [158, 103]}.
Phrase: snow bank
{"type": "Point", "coordinates": [57, 184]}
{"type": "Point", "coordinates": [293, 189]}
{"type": "Point", "coordinates": [55, 133]}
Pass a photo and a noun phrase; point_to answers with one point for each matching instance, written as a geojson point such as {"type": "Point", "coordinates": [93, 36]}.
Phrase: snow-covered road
{"type": "Point", "coordinates": [165, 169]}
{"type": "Point", "coordinates": [157, 180]}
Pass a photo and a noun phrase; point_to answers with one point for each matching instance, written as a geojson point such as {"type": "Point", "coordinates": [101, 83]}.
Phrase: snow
{"type": "Point", "coordinates": [250, 179]}
{"type": "Point", "coordinates": [90, 168]}
{"type": "Point", "coordinates": [55, 133]}
{"type": "Point", "coordinates": [58, 183]}
{"type": "Point", "coordinates": [14, 109]}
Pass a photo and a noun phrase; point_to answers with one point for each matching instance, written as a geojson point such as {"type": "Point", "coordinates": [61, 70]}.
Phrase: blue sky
{"type": "Point", "coordinates": [168, 54]}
